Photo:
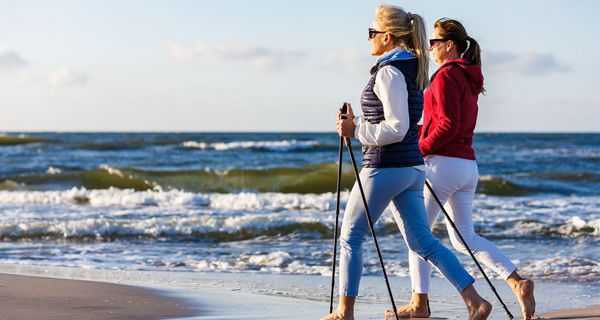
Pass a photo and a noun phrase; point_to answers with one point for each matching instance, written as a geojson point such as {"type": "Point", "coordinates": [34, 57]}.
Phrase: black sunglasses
{"type": "Point", "coordinates": [373, 33]}
{"type": "Point", "coordinates": [432, 42]}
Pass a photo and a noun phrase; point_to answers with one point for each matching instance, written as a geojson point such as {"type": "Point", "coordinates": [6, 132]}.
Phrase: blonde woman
{"type": "Point", "coordinates": [446, 142]}
{"type": "Point", "coordinates": [393, 168]}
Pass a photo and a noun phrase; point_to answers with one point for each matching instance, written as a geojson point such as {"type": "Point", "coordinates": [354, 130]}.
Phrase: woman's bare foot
{"type": "Point", "coordinates": [480, 311]}
{"type": "Point", "coordinates": [478, 307]}
{"type": "Point", "coordinates": [337, 315]}
{"type": "Point", "coordinates": [408, 311]}
{"type": "Point", "coordinates": [344, 311]}
{"type": "Point", "coordinates": [523, 289]}
{"type": "Point", "coordinates": [418, 307]}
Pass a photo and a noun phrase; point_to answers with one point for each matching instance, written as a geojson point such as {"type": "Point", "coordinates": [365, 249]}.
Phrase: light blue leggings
{"type": "Point", "coordinates": [404, 188]}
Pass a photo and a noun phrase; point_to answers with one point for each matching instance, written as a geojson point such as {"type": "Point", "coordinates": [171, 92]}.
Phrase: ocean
{"type": "Point", "coordinates": [264, 203]}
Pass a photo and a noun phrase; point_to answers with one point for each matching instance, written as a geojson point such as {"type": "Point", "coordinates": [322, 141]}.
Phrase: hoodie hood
{"type": "Point", "coordinates": [472, 71]}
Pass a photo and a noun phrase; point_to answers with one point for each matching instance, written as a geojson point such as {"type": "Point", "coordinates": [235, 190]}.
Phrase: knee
{"type": "Point", "coordinates": [459, 245]}
{"type": "Point", "coordinates": [423, 246]}
{"type": "Point", "coordinates": [352, 240]}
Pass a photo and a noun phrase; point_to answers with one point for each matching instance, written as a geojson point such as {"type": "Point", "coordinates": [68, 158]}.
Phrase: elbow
{"type": "Point", "coordinates": [399, 131]}
{"type": "Point", "coordinates": [450, 128]}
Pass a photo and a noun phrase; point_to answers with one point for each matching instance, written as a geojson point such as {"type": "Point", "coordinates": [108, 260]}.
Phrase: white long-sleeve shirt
{"type": "Point", "coordinates": [390, 88]}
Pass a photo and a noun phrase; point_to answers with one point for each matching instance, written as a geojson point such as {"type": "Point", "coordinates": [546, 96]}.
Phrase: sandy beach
{"type": "Point", "coordinates": [592, 312]}
{"type": "Point", "coordinates": [204, 296]}
{"type": "Point", "coordinates": [32, 298]}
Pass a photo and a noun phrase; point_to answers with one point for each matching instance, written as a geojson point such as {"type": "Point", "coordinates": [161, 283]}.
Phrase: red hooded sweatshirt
{"type": "Point", "coordinates": [450, 110]}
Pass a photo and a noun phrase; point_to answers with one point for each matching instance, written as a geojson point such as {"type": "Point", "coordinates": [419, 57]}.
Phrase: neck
{"type": "Point", "coordinates": [451, 57]}
{"type": "Point", "coordinates": [388, 50]}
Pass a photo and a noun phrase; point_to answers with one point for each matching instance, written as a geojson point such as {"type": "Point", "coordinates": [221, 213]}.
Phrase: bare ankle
{"type": "Point", "coordinates": [419, 300]}
{"type": "Point", "coordinates": [514, 279]}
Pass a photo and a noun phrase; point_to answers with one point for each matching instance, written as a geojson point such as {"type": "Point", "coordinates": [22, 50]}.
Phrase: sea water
{"type": "Point", "coordinates": [265, 203]}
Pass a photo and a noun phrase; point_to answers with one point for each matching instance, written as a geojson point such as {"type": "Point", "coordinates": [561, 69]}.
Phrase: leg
{"type": "Point", "coordinates": [380, 187]}
{"type": "Point", "coordinates": [461, 205]}
{"type": "Point", "coordinates": [420, 270]}
{"type": "Point", "coordinates": [419, 239]}
{"type": "Point", "coordinates": [486, 252]}
{"type": "Point", "coordinates": [418, 236]}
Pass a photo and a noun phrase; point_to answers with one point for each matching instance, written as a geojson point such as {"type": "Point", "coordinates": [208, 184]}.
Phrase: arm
{"type": "Point", "coordinates": [390, 88]}
{"type": "Point", "coordinates": [446, 93]}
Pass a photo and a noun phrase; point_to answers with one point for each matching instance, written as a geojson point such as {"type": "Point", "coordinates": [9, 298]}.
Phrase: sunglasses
{"type": "Point", "coordinates": [373, 33]}
{"type": "Point", "coordinates": [432, 42]}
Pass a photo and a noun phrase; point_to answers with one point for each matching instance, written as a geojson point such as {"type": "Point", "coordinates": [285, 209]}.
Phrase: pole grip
{"type": "Point", "coordinates": [345, 116]}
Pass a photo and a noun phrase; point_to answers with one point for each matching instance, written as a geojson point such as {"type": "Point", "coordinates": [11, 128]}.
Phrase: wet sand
{"type": "Point", "coordinates": [588, 313]}
{"type": "Point", "coordinates": [32, 298]}
{"type": "Point", "coordinates": [124, 294]}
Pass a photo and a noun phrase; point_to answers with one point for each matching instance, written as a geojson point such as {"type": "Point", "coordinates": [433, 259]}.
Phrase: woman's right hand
{"type": "Point", "coordinates": [346, 127]}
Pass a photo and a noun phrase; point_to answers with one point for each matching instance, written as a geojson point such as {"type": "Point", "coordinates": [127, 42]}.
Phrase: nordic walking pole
{"type": "Point", "coordinates": [337, 215]}
{"type": "Point", "coordinates": [510, 316]}
{"type": "Point", "coordinates": [364, 199]}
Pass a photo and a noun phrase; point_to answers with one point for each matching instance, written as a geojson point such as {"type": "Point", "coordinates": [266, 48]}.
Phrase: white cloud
{"type": "Point", "coordinates": [349, 60]}
{"type": "Point", "coordinates": [260, 58]}
{"type": "Point", "coordinates": [529, 64]}
{"type": "Point", "coordinates": [10, 60]}
{"type": "Point", "coordinates": [68, 77]}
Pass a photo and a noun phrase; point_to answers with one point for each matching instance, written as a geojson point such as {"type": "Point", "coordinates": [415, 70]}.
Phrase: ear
{"type": "Point", "coordinates": [450, 45]}
{"type": "Point", "coordinates": [387, 39]}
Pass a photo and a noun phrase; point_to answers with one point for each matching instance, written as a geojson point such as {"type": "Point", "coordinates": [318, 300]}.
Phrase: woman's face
{"type": "Point", "coordinates": [378, 42]}
{"type": "Point", "coordinates": [439, 48]}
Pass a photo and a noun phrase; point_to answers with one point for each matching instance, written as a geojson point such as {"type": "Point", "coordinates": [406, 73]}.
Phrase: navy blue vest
{"type": "Point", "coordinates": [405, 153]}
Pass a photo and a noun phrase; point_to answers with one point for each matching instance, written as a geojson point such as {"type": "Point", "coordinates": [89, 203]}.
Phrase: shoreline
{"type": "Point", "coordinates": [222, 296]}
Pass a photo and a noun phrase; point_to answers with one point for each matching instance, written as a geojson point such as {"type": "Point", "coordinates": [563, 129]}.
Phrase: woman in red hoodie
{"type": "Point", "coordinates": [449, 118]}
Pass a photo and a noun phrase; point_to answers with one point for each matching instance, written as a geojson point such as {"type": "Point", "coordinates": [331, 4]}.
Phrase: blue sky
{"type": "Point", "coordinates": [273, 65]}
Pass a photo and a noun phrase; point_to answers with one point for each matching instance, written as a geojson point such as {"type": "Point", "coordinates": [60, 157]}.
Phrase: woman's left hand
{"type": "Point", "coordinates": [346, 127]}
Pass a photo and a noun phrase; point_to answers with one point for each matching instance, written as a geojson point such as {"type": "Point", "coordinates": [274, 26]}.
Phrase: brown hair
{"type": "Point", "coordinates": [468, 48]}
{"type": "Point", "coordinates": [408, 31]}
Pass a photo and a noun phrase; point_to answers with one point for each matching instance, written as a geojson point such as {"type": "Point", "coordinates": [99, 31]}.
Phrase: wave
{"type": "Point", "coordinates": [283, 145]}
{"type": "Point", "coordinates": [569, 176]}
{"type": "Point", "coordinates": [178, 229]}
{"type": "Point", "coordinates": [308, 179]}
{"type": "Point", "coordinates": [574, 269]}
{"type": "Point", "coordinates": [113, 146]}
{"type": "Point", "coordinates": [244, 201]}
{"type": "Point", "coordinates": [495, 186]}
{"type": "Point", "coordinates": [318, 178]}
{"type": "Point", "coordinates": [103, 215]}
{"type": "Point", "coordinates": [12, 140]}
{"type": "Point", "coordinates": [129, 143]}
{"type": "Point", "coordinates": [251, 226]}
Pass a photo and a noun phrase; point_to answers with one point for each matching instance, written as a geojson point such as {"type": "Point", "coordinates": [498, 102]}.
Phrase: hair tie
{"type": "Point", "coordinates": [409, 16]}
{"type": "Point", "coordinates": [469, 42]}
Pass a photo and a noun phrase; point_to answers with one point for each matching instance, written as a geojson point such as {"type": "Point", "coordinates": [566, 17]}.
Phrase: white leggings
{"type": "Point", "coordinates": [454, 181]}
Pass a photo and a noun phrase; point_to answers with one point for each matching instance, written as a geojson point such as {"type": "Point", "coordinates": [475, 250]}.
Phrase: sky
{"type": "Point", "coordinates": [262, 65]}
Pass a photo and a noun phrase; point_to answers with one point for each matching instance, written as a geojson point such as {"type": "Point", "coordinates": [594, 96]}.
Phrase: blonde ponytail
{"type": "Point", "coordinates": [409, 32]}
{"type": "Point", "coordinates": [419, 44]}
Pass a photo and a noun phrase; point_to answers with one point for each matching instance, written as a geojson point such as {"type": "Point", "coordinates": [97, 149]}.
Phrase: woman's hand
{"type": "Point", "coordinates": [346, 127]}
